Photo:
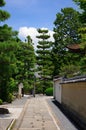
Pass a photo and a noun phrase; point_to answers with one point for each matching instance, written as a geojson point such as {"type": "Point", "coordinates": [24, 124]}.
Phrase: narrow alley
{"type": "Point", "coordinates": [38, 115]}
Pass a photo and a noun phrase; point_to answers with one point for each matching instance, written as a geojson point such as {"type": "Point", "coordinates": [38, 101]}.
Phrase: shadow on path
{"type": "Point", "coordinates": [74, 120]}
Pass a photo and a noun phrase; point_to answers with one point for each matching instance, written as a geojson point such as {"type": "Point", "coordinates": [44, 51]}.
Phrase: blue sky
{"type": "Point", "coordinates": [33, 14]}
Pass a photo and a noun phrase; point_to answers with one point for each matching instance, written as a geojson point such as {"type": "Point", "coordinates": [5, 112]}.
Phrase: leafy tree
{"type": "Point", "coordinates": [2, 3]}
{"type": "Point", "coordinates": [82, 16]}
{"type": "Point", "coordinates": [44, 60]}
{"type": "Point", "coordinates": [7, 34]}
{"type": "Point", "coordinates": [69, 70]}
{"type": "Point", "coordinates": [7, 67]}
{"type": "Point", "coordinates": [82, 5]}
{"type": "Point", "coordinates": [16, 65]}
{"type": "Point", "coordinates": [82, 31]}
{"type": "Point", "coordinates": [8, 47]}
{"type": "Point", "coordinates": [7, 57]}
{"type": "Point", "coordinates": [66, 32]}
{"type": "Point", "coordinates": [25, 62]}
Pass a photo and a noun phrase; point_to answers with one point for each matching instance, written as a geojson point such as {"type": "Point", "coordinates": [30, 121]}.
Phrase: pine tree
{"type": "Point", "coordinates": [82, 31]}
{"type": "Point", "coordinates": [7, 54]}
{"type": "Point", "coordinates": [25, 63]}
{"type": "Point", "coordinates": [82, 16]}
{"type": "Point", "coordinates": [3, 14]}
{"type": "Point", "coordinates": [44, 60]}
{"type": "Point", "coordinates": [6, 32]}
{"type": "Point", "coordinates": [66, 32]}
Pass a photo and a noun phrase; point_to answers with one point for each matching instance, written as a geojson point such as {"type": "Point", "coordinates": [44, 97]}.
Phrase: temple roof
{"type": "Point", "coordinates": [74, 47]}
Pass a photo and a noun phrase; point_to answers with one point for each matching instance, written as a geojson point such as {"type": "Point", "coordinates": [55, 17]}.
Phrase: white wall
{"type": "Point", "coordinates": [57, 89]}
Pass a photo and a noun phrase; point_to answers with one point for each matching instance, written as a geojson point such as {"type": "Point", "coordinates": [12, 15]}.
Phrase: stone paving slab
{"type": "Point", "coordinates": [4, 123]}
{"type": "Point", "coordinates": [36, 116]}
{"type": "Point", "coordinates": [42, 115]}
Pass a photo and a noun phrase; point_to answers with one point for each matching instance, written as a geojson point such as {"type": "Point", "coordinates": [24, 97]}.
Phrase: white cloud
{"type": "Point", "coordinates": [25, 31]}
{"type": "Point", "coordinates": [51, 35]}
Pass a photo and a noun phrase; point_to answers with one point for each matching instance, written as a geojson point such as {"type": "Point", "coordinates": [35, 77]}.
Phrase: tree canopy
{"type": "Point", "coordinates": [44, 60]}
{"type": "Point", "coordinates": [66, 32]}
{"type": "Point", "coordinates": [82, 31]}
{"type": "Point", "coordinates": [82, 5]}
{"type": "Point", "coordinates": [4, 15]}
{"type": "Point", "coordinates": [17, 59]}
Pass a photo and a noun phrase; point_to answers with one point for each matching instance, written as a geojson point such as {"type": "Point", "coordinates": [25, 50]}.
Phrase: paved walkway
{"type": "Point", "coordinates": [38, 115]}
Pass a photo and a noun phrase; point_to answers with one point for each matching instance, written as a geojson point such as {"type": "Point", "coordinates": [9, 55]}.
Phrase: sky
{"type": "Point", "coordinates": [29, 15]}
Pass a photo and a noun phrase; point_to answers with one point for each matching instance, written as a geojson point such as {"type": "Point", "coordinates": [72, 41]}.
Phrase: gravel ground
{"type": "Point", "coordinates": [15, 108]}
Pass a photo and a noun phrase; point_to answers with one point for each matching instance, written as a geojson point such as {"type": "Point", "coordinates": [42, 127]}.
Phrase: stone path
{"type": "Point", "coordinates": [4, 123]}
{"type": "Point", "coordinates": [37, 116]}
{"type": "Point", "coordinates": [38, 113]}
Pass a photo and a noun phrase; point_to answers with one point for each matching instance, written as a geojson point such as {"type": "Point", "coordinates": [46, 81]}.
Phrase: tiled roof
{"type": "Point", "coordinates": [74, 47]}
{"type": "Point", "coordinates": [75, 79]}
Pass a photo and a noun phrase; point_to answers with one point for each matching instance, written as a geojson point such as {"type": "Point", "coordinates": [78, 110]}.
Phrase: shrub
{"type": "Point", "coordinates": [1, 101]}
{"type": "Point", "coordinates": [10, 98]}
{"type": "Point", "coordinates": [49, 91]}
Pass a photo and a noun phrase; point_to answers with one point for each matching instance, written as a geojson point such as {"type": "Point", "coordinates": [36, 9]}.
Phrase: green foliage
{"type": "Point", "coordinates": [69, 70]}
{"type": "Point", "coordinates": [25, 61]}
{"type": "Point", "coordinates": [1, 101]}
{"type": "Point", "coordinates": [44, 60]}
{"type": "Point", "coordinates": [3, 14]}
{"type": "Point", "coordinates": [83, 65]}
{"type": "Point", "coordinates": [27, 87]}
{"type": "Point", "coordinates": [42, 30]}
{"type": "Point", "coordinates": [12, 85]}
{"type": "Point", "coordinates": [40, 84]}
{"type": "Point", "coordinates": [2, 3]}
{"type": "Point", "coordinates": [82, 29]}
{"type": "Point", "coordinates": [49, 91]}
{"type": "Point", "coordinates": [25, 64]}
{"type": "Point", "coordinates": [82, 5]}
{"type": "Point", "coordinates": [7, 66]}
{"type": "Point", "coordinates": [7, 34]}
{"type": "Point", "coordinates": [16, 59]}
{"type": "Point", "coordinates": [39, 88]}
{"type": "Point", "coordinates": [82, 33]}
{"type": "Point", "coordinates": [67, 23]}
{"type": "Point", "coordinates": [16, 65]}
{"type": "Point", "coordinates": [43, 54]}
{"type": "Point", "coordinates": [10, 98]}
{"type": "Point", "coordinates": [66, 33]}
{"type": "Point", "coordinates": [7, 56]}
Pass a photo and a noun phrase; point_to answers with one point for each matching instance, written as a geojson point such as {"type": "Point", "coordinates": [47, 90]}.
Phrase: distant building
{"type": "Point", "coordinates": [75, 48]}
